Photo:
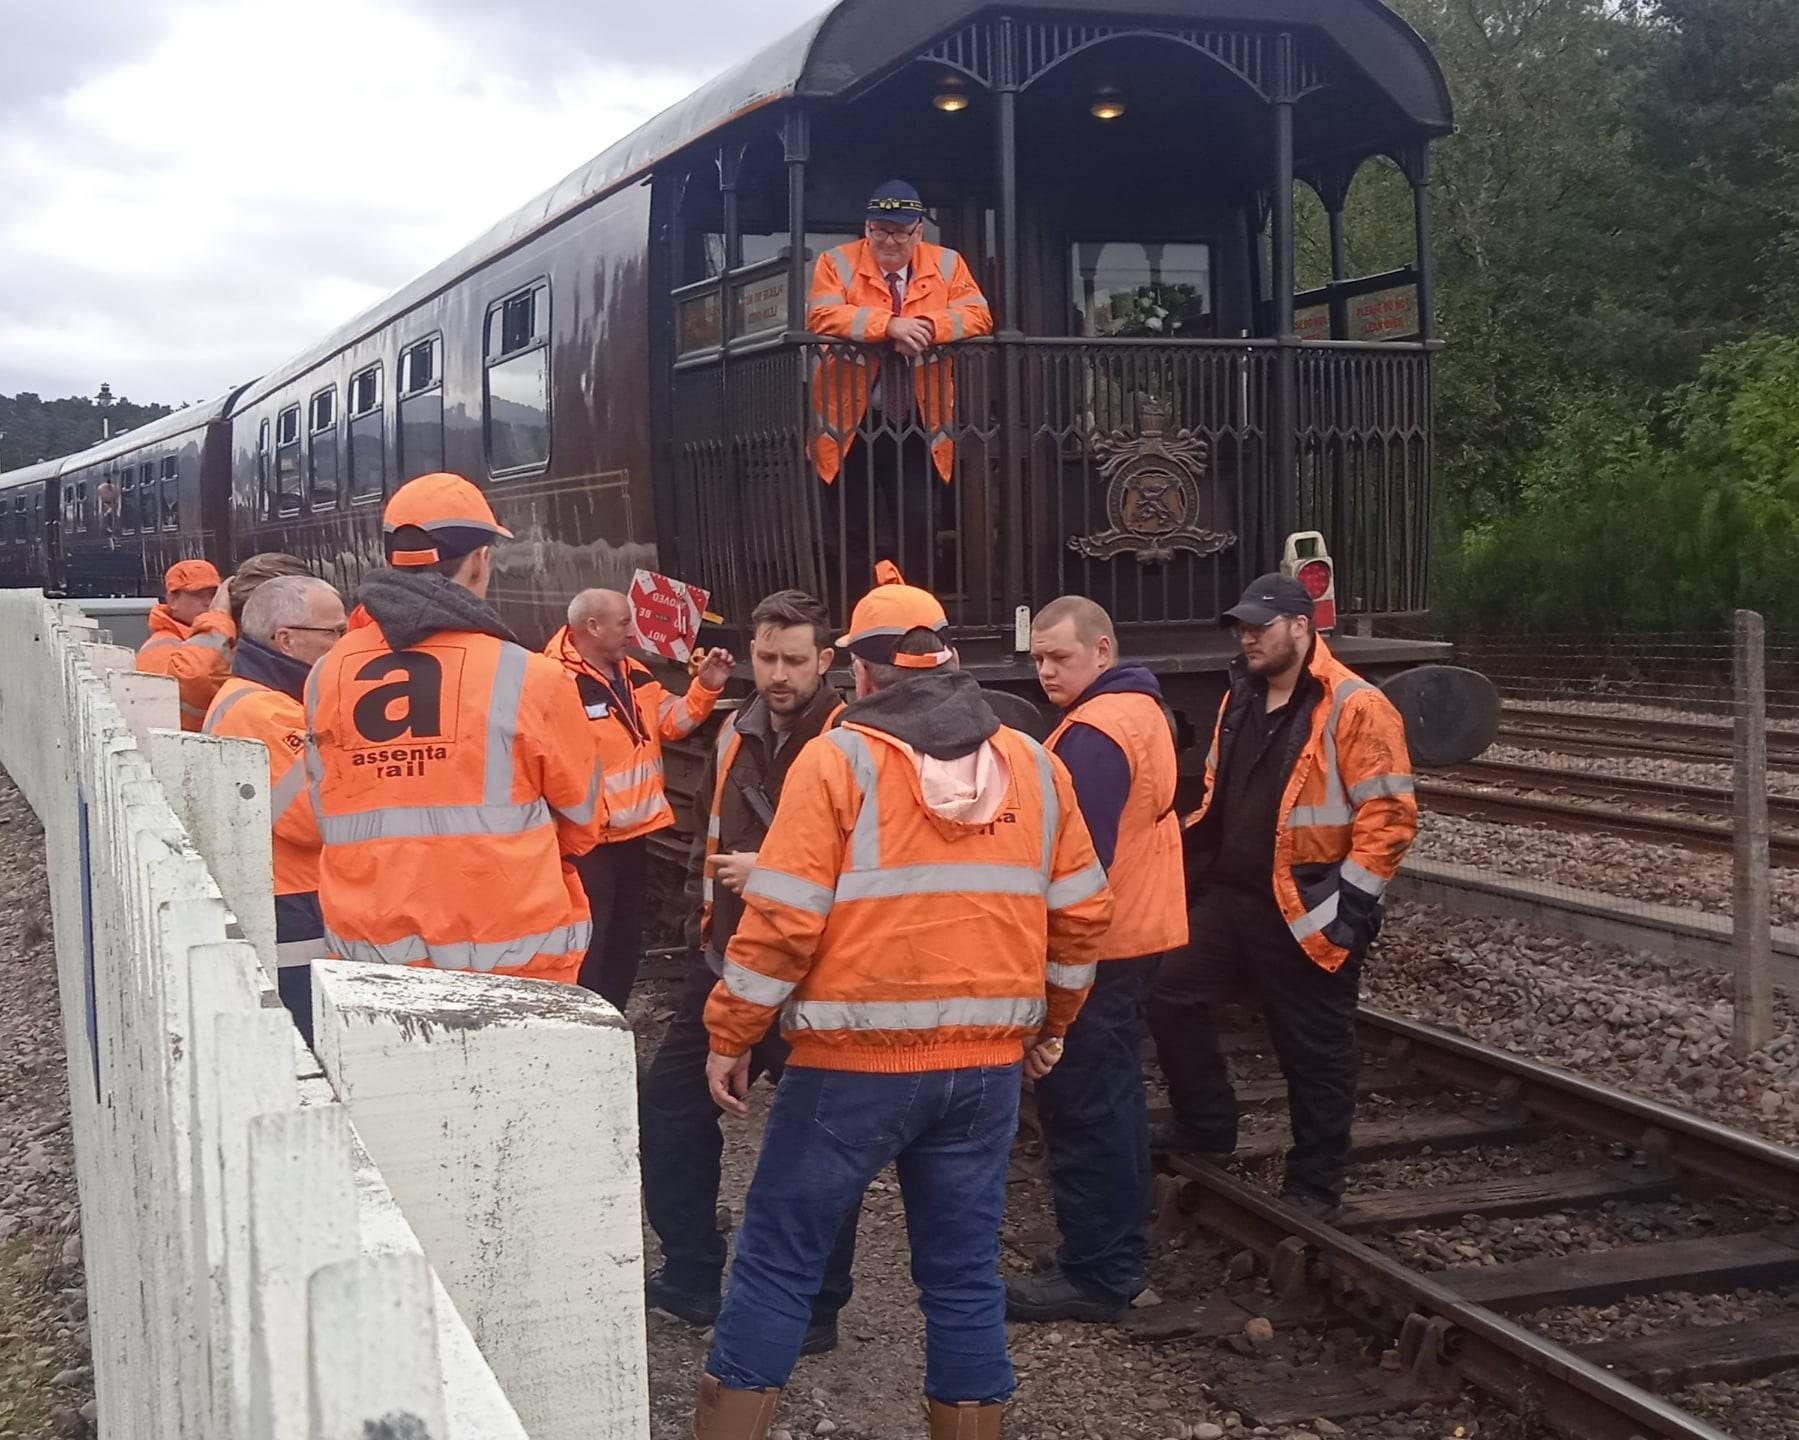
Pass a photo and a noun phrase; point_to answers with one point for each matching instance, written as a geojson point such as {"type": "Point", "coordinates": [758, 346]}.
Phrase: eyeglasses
{"type": "Point", "coordinates": [891, 232]}
{"type": "Point", "coordinates": [338, 630]}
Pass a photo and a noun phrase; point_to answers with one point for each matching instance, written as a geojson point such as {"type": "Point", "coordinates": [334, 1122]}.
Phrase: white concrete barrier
{"type": "Point", "coordinates": [252, 1274]}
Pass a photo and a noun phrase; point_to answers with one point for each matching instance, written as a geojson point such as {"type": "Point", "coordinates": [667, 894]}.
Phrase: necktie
{"type": "Point", "coordinates": [893, 289]}
{"type": "Point", "coordinates": [896, 397]}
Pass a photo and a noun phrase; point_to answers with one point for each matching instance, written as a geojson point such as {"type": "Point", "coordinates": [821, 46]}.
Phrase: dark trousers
{"type": "Point", "coordinates": [885, 498]}
{"type": "Point", "coordinates": [1096, 1124]}
{"type": "Point", "coordinates": [681, 1144]}
{"type": "Point", "coordinates": [1241, 948]}
{"type": "Point", "coordinates": [615, 877]}
{"type": "Point", "coordinates": [294, 983]}
{"type": "Point", "coordinates": [830, 1132]}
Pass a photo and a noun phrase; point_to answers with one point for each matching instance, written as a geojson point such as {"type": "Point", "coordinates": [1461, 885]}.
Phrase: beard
{"type": "Point", "coordinates": [789, 701]}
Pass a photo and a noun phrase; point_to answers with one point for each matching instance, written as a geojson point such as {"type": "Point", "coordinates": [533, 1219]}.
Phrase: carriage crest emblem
{"type": "Point", "coordinates": [1152, 479]}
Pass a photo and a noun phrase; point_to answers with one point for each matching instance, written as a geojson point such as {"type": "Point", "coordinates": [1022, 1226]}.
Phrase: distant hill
{"type": "Point", "coordinates": [37, 429]}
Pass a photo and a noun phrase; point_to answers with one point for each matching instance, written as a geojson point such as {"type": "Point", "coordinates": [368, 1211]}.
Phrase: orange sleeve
{"type": "Point", "coordinates": [967, 314]}
{"type": "Point", "coordinates": [201, 664]}
{"type": "Point", "coordinates": [1376, 766]}
{"type": "Point", "coordinates": [678, 716]}
{"type": "Point", "coordinates": [787, 899]}
{"type": "Point", "coordinates": [1080, 908]}
{"type": "Point", "coordinates": [563, 755]}
{"type": "Point", "coordinates": [829, 312]}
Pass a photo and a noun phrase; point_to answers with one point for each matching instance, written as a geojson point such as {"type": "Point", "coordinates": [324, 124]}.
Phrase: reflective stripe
{"type": "Point", "coordinates": [219, 712]}
{"type": "Point", "coordinates": [746, 984]}
{"type": "Point", "coordinates": [1333, 777]}
{"type": "Point", "coordinates": [1365, 790]}
{"type": "Point", "coordinates": [635, 776]}
{"type": "Point", "coordinates": [787, 889]}
{"type": "Point", "coordinates": [829, 297]}
{"type": "Point", "coordinates": [315, 763]}
{"type": "Point", "coordinates": [1304, 815]}
{"type": "Point", "coordinates": [641, 813]}
{"type": "Point", "coordinates": [1316, 918]}
{"type": "Point", "coordinates": [859, 325]}
{"type": "Point", "coordinates": [685, 725]}
{"type": "Point", "coordinates": [865, 839]}
{"type": "Point", "coordinates": [946, 264]}
{"type": "Point", "coordinates": [725, 732]}
{"type": "Point", "coordinates": [963, 879]}
{"type": "Point", "coordinates": [713, 829]}
{"type": "Point", "coordinates": [975, 299]}
{"type": "Point", "coordinates": [502, 722]}
{"type": "Point", "coordinates": [706, 888]}
{"type": "Point", "coordinates": [197, 711]}
{"type": "Point", "coordinates": [911, 1014]}
{"type": "Point", "coordinates": [1052, 809]}
{"type": "Point", "coordinates": [583, 813]}
{"type": "Point", "coordinates": [956, 327]}
{"type": "Point", "coordinates": [1072, 977]}
{"type": "Point", "coordinates": [480, 955]}
{"type": "Point", "coordinates": [157, 642]}
{"type": "Point", "coordinates": [289, 953]}
{"type": "Point", "coordinates": [1072, 889]}
{"type": "Point", "coordinates": [1362, 878]}
{"type": "Point", "coordinates": [211, 640]}
{"type": "Point", "coordinates": [413, 822]}
{"type": "Point", "coordinates": [844, 258]}
{"type": "Point", "coordinates": [287, 790]}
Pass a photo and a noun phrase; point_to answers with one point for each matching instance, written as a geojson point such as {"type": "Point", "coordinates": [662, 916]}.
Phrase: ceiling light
{"type": "Point", "coordinates": [1108, 104]}
{"type": "Point", "coordinates": [951, 99]}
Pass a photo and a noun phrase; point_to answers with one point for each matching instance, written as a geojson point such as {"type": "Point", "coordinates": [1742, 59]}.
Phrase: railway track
{"type": "Point", "coordinates": [1572, 733]}
{"type": "Point", "coordinates": [1447, 1330]}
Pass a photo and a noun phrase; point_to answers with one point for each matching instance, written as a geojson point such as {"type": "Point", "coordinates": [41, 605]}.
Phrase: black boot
{"type": "Point", "coordinates": [1051, 1295]}
{"type": "Point", "coordinates": [697, 1307]}
{"type": "Point", "coordinates": [1170, 1137]}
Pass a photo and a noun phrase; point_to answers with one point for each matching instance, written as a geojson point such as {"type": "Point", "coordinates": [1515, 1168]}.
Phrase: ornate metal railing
{"type": "Point", "coordinates": [1001, 473]}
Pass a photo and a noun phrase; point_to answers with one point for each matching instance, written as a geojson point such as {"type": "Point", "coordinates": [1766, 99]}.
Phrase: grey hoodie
{"type": "Point", "coordinates": [940, 713]}
{"type": "Point", "coordinates": [411, 606]}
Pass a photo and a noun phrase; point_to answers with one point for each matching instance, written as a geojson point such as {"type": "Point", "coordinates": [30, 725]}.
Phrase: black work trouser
{"type": "Point", "coordinates": [1096, 1124]}
{"type": "Point", "coordinates": [886, 496]}
{"type": "Point", "coordinates": [1241, 948]}
{"type": "Point", "coordinates": [615, 877]}
{"type": "Point", "coordinates": [681, 1145]}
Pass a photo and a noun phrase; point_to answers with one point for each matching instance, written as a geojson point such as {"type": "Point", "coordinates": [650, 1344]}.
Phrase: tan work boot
{"type": "Point", "coordinates": [722, 1413]}
{"type": "Point", "coordinates": [971, 1420]}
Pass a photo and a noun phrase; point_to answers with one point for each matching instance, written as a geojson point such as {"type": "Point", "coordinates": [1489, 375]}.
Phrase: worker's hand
{"type": "Point", "coordinates": [732, 868]}
{"type": "Point", "coordinates": [728, 1078]}
{"type": "Point", "coordinates": [911, 335]}
{"type": "Point", "coordinates": [1041, 1058]}
{"type": "Point", "coordinates": [715, 668]}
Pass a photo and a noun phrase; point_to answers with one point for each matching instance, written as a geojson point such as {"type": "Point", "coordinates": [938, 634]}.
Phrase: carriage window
{"type": "Point", "coordinates": [287, 461]}
{"type": "Point", "coordinates": [18, 520]}
{"type": "Point", "coordinates": [367, 436]}
{"type": "Point", "coordinates": [81, 510]}
{"type": "Point", "coordinates": [171, 498]}
{"type": "Point", "coordinates": [1142, 289]}
{"type": "Point", "coordinates": [518, 382]}
{"type": "Point", "coordinates": [321, 432]}
{"type": "Point", "coordinates": [146, 497]}
{"type": "Point", "coordinates": [127, 483]}
{"type": "Point", "coordinates": [421, 408]}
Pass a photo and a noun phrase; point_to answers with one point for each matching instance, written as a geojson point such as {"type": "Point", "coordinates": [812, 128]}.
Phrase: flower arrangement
{"type": "Point", "coordinates": [1166, 312]}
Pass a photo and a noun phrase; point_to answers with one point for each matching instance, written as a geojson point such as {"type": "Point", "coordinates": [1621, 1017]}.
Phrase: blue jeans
{"type": "Point", "coordinates": [830, 1132]}
{"type": "Point", "coordinates": [1096, 1123]}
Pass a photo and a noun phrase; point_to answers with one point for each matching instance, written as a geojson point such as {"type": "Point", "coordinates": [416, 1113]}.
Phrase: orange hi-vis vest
{"type": "Point", "coordinates": [1148, 882]}
{"type": "Point", "coordinates": [1347, 814]}
{"type": "Point", "coordinates": [629, 730]}
{"type": "Point", "coordinates": [850, 300]}
{"type": "Point", "coordinates": [892, 939]}
{"type": "Point", "coordinates": [251, 711]}
{"type": "Point", "coordinates": [197, 655]}
{"type": "Point", "coordinates": [449, 779]}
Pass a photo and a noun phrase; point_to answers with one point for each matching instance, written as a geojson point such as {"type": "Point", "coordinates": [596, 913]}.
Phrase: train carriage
{"type": "Point", "coordinates": [29, 527]}
{"type": "Point", "coordinates": [131, 506]}
{"type": "Point", "coordinates": [624, 363]}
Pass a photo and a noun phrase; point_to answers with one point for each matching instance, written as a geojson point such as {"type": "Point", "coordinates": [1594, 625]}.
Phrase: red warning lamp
{"type": "Point", "coordinates": [1307, 561]}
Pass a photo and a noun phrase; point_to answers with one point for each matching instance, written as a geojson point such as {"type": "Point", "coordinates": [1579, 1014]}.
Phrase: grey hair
{"type": "Point", "coordinates": [284, 600]}
{"type": "Point", "coordinates": [587, 604]}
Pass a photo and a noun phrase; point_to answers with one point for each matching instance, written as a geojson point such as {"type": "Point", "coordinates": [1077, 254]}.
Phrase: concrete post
{"type": "Point", "coordinates": [1754, 1026]}
{"type": "Point", "coordinates": [502, 1114]}
{"type": "Point", "coordinates": [374, 1362]}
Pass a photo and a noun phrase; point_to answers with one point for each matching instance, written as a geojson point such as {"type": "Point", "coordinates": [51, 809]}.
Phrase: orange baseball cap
{"type": "Point", "coordinates": [191, 575]}
{"type": "Point", "coordinates": [438, 517]}
{"type": "Point", "coordinates": [886, 614]}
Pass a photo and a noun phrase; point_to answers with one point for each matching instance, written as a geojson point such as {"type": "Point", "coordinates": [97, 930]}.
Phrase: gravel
{"type": "Point", "coordinates": [46, 1372]}
{"type": "Point", "coordinates": [1640, 767]}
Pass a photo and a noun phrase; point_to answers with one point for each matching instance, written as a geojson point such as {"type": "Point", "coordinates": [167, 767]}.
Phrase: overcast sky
{"type": "Point", "coordinates": [192, 192]}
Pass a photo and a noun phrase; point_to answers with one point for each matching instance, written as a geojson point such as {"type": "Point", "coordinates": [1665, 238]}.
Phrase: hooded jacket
{"type": "Point", "coordinates": [924, 862]}
{"type": "Point", "coordinates": [450, 769]}
{"type": "Point", "coordinates": [198, 656]}
{"type": "Point", "coordinates": [1118, 744]}
{"type": "Point", "coordinates": [631, 714]}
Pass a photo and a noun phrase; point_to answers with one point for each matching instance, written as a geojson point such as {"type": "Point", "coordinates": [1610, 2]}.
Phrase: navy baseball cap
{"type": "Point", "coordinates": [896, 201]}
{"type": "Point", "coordinates": [1267, 599]}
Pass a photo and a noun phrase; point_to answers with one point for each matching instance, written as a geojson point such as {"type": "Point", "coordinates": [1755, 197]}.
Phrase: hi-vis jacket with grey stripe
{"type": "Point", "coordinates": [890, 938]}
{"type": "Point", "coordinates": [250, 711]}
{"type": "Point", "coordinates": [1347, 812]}
{"type": "Point", "coordinates": [449, 778]}
{"type": "Point", "coordinates": [197, 655]}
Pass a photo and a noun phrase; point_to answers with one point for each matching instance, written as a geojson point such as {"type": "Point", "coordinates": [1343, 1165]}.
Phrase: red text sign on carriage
{"type": "Point", "coordinates": [665, 614]}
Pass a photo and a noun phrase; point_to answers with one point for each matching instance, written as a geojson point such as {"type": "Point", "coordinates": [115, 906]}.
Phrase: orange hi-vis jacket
{"type": "Point", "coordinates": [197, 655]}
{"type": "Point", "coordinates": [850, 300]}
{"type": "Point", "coordinates": [629, 731]}
{"type": "Point", "coordinates": [1148, 881]}
{"type": "Point", "coordinates": [449, 778]}
{"type": "Point", "coordinates": [251, 711]}
{"type": "Point", "coordinates": [1347, 814]}
{"type": "Point", "coordinates": [893, 939]}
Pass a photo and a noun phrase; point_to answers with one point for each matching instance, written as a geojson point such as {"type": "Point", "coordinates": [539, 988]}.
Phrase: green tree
{"type": "Point", "coordinates": [38, 429]}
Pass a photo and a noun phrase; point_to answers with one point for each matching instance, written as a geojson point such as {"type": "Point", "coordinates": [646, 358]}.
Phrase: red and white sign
{"type": "Point", "coordinates": [1307, 561]}
{"type": "Point", "coordinates": [665, 614]}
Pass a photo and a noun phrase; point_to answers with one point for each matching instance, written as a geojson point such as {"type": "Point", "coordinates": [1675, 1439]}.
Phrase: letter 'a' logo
{"type": "Point", "coordinates": [411, 705]}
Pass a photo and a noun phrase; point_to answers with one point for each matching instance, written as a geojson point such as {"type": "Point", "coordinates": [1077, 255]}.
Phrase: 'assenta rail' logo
{"type": "Point", "coordinates": [402, 762]}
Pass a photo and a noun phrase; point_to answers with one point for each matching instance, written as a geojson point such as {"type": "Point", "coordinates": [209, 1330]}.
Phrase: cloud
{"type": "Point", "coordinates": [220, 184]}
{"type": "Point", "coordinates": [51, 48]}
